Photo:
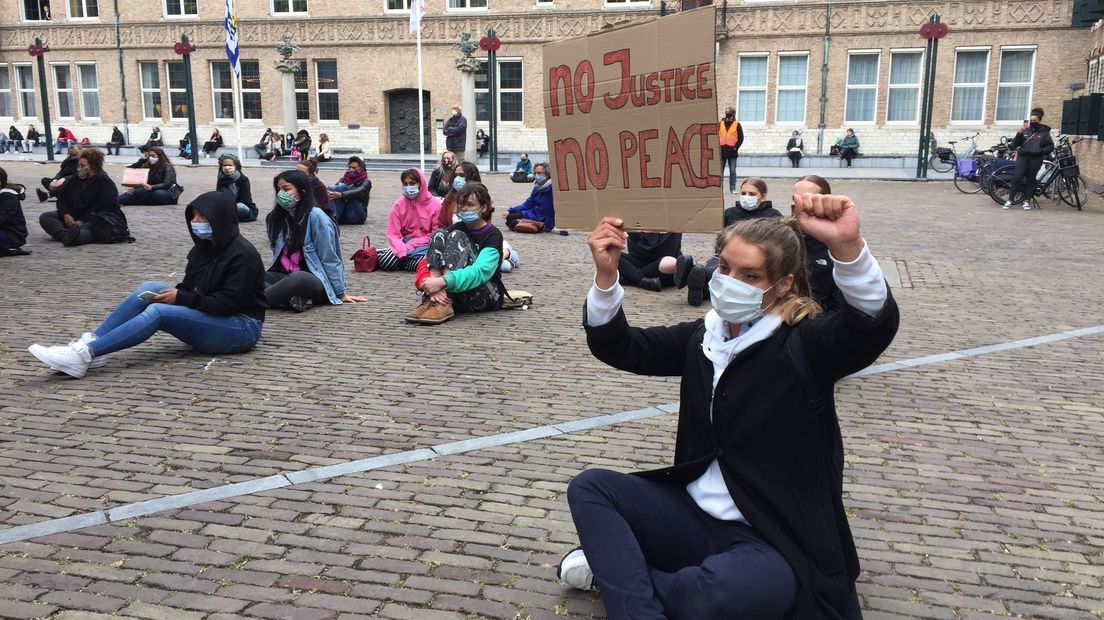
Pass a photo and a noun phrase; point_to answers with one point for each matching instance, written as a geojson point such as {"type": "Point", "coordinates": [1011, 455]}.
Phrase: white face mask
{"type": "Point", "coordinates": [749, 203]}
{"type": "Point", "coordinates": [735, 301]}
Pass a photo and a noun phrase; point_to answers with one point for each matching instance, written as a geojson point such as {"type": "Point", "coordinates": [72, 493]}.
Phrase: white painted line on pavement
{"type": "Point", "coordinates": [229, 491]}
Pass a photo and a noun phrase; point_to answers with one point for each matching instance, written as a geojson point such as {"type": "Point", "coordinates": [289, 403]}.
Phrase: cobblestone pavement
{"type": "Point", "coordinates": [973, 485]}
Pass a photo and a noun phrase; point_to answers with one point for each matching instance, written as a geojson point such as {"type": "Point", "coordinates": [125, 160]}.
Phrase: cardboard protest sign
{"type": "Point", "coordinates": [631, 117]}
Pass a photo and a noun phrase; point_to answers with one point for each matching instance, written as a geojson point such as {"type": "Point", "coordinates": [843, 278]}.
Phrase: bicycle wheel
{"type": "Point", "coordinates": [1070, 190]}
{"type": "Point", "coordinates": [1000, 186]}
{"type": "Point", "coordinates": [939, 165]}
{"type": "Point", "coordinates": [966, 186]}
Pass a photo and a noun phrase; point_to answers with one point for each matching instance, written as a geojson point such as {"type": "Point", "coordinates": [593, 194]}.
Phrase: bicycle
{"type": "Point", "coordinates": [1050, 182]}
{"type": "Point", "coordinates": [944, 159]}
{"type": "Point", "coordinates": [971, 175]}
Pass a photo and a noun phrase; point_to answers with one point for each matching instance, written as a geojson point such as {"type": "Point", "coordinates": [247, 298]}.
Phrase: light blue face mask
{"type": "Point", "coordinates": [539, 179]}
{"type": "Point", "coordinates": [469, 217]}
{"type": "Point", "coordinates": [202, 230]}
{"type": "Point", "coordinates": [411, 191]}
{"type": "Point", "coordinates": [458, 183]}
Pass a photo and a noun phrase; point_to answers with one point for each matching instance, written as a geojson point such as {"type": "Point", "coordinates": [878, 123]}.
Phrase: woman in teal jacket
{"type": "Point", "coordinates": [849, 148]}
{"type": "Point", "coordinates": [307, 267]}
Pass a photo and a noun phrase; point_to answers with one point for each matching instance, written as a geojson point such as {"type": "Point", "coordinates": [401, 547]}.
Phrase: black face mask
{"type": "Point", "coordinates": [730, 116]}
{"type": "Point", "coordinates": [1033, 125]}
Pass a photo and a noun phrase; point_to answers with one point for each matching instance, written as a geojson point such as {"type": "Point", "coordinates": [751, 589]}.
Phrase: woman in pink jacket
{"type": "Point", "coordinates": [413, 219]}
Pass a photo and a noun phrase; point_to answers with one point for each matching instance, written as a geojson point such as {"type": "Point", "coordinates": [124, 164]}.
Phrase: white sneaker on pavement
{"type": "Point", "coordinates": [1027, 206]}
{"type": "Point", "coordinates": [1007, 204]}
{"type": "Point", "coordinates": [575, 571]}
{"type": "Point", "coordinates": [97, 362]}
{"type": "Point", "coordinates": [72, 359]}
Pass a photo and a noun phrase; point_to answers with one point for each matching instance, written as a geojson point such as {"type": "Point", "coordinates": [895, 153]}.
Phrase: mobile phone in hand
{"type": "Point", "coordinates": [147, 295]}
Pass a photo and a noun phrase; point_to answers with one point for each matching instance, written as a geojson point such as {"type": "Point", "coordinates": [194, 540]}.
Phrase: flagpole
{"type": "Point", "coordinates": [421, 112]}
{"type": "Point", "coordinates": [238, 112]}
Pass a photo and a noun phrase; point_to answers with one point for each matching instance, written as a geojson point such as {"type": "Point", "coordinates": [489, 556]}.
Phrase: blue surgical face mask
{"type": "Point", "coordinates": [411, 191]}
{"type": "Point", "coordinates": [469, 217]}
{"type": "Point", "coordinates": [735, 301]}
{"type": "Point", "coordinates": [458, 183]}
{"type": "Point", "coordinates": [539, 179]}
{"type": "Point", "coordinates": [202, 230]}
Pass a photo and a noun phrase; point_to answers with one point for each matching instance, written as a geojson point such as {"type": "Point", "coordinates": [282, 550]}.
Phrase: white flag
{"type": "Point", "coordinates": [232, 49]}
{"type": "Point", "coordinates": [417, 9]}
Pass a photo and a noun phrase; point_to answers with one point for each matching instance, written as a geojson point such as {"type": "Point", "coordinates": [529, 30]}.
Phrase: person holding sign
{"type": "Point", "coordinates": [731, 134]}
{"type": "Point", "coordinates": [749, 522]}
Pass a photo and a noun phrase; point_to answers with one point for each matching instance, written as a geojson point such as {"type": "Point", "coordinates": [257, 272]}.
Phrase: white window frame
{"type": "Point", "coordinates": [847, 87]}
{"type": "Point", "coordinates": [545, 4]}
{"type": "Point", "coordinates": [8, 92]}
{"type": "Point", "coordinates": [390, 11]}
{"type": "Point", "coordinates": [778, 88]}
{"type": "Point", "coordinates": [291, 12]}
{"type": "Point", "coordinates": [215, 92]}
{"type": "Point", "coordinates": [1093, 75]}
{"type": "Point", "coordinates": [169, 90]}
{"type": "Point", "coordinates": [143, 90]}
{"type": "Point", "coordinates": [988, 49]}
{"type": "Point", "coordinates": [919, 86]}
{"type": "Point", "coordinates": [81, 66]}
{"type": "Point", "coordinates": [621, 5]}
{"type": "Point", "coordinates": [466, 9]}
{"type": "Point", "coordinates": [498, 103]}
{"type": "Point", "coordinates": [319, 91]}
{"type": "Point", "coordinates": [19, 90]}
{"type": "Point", "coordinates": [740, 89]}
{"type": "Point", "coordinates": [183, 15]}
{"type": "Point", "coordinates": [59, 91]}
{"type": "Point", "coordinates": [84, 8]}
{"type": "Point", "coordinates": [1030, 85]}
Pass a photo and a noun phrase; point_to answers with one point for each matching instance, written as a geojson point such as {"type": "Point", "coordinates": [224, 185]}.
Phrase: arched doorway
{"type": "Point", "coordinates": [402, 115]}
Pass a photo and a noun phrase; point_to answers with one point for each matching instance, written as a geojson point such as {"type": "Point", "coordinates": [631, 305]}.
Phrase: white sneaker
{"type": "Point", "coordinates": [72, 359]}
{"type": "Point", "coordinates": [97, 362]}
{"type": "Point", "coordinates": [1007, 204]}
{"type": "Point", "coordinates": [575, 571]}
{"type": "Point", "coordinates": [1027, 206]}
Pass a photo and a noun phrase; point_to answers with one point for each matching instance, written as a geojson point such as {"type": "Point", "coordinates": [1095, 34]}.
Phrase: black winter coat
{"type": "Point", "coordinates": [224, 275]}
{"type": "Point", "coordinates": [654, 246]}
{"type": "Point", "coordinates": [775, 433]}
{"type": "Point", "coordinates": [94, 200]}
{"type": "Point", "coordinates": [739, 214]}
{"type": "Point", "coordinates": [1034, 142]}
{"type": "Point", "coordinates": [240, 190]}
{"type": "Point", "coordinates": [12, 222]}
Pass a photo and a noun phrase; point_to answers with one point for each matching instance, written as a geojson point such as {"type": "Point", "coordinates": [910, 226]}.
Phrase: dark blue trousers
{"type": "Point", "coordinates": [656, 555]}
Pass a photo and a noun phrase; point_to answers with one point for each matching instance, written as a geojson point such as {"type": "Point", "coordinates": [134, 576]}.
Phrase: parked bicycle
{"type": "Point", "coordinates": [943, 159]}
{"type": "Point", "coordinates": [1059, 179]}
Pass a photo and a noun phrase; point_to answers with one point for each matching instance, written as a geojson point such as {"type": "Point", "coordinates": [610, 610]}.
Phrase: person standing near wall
{"type": "Point", "coordinates": [1032, 144]}
{"type": "Point", "coordinates": [732, 136]}
{"type": "Point", "coordinates": [456, 133]}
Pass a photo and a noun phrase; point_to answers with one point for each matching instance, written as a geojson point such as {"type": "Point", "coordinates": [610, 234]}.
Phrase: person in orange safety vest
{"type": "Point", "coordinates": [732, 136]}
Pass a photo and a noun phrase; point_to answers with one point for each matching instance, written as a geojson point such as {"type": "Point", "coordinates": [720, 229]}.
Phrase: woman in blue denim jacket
{"type": "Point", "coordinates": [307, 267]}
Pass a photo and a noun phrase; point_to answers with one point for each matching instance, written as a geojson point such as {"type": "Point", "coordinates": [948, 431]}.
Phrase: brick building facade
{"type": "Point", "coordinates": [113, 59]}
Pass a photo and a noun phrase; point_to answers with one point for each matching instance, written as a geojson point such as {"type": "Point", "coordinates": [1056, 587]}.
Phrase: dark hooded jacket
{"type": "Point", "coordinates": [654, 246]}
{"type": "Point", "coordinates": [224, 275]}
{"type": "Point", "coordinates": [1035, 141]}
{"type": "Point", "coordinates": [12, 223]}
{"type": "Point", "coordinates": [94, 200]}
{"type": "Point", "coordinates": [739, 214]}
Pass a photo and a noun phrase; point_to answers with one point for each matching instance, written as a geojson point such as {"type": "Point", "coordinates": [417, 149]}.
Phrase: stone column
{"type": "Point", "coordinates": [287, 71]}
{"type": "Point", "coordinates": [468, 66]}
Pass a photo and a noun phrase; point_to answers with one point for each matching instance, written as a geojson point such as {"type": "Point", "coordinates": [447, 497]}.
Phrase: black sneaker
{"type": "Point", "coordinates": [299, 304]}
{"type": "Point", "coordinates": [683, 265]}
{"type": "Point", "coordinates": [695, 285]}
{"type": "Point", "coordinates": [651, 284]}
{"type": "Point", "coordinates": [42, 195]}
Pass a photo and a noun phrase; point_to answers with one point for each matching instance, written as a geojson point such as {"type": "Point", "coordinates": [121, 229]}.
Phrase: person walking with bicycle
{"type": "Point", "coordinates": [1033, 144]}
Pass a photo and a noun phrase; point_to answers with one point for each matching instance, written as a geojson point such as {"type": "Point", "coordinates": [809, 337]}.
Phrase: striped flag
{"type": "Point", "coordinates": [232, 49]}
{"type": "Point", "coordinates": [417, 9]}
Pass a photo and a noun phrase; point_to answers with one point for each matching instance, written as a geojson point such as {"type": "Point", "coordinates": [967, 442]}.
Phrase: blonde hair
{"type": "Point", "coordinates": [781, 243]}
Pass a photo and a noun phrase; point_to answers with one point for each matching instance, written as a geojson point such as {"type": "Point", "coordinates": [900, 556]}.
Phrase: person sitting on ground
{"type": "Point", "coordinates": [218, 308]}
{"type": "Point", "coordinates": [318, 188]}
{"type": "Point", "coordinates": [325, 149]}
{"type": "Point", "coordinates": [213, 144]}
{"type": "Point", "coordinates": [233, 181]}
{"type": "Point", "coordinates": [87, 206]}
{"type": "Point", "coordinates": [160, 188]}
{"type": "Point", "coordinates": [116, 142]}
{"type": "Point", "coordinates": [307, 268]}
{"type": "Point", "coordinates": [302, 143]}
{"type": "Point", "coordinates": [461, 270]}
{"type": "Point", "coordinates": [440, 177]}
{"type": "Point", "coordinates": [462, 174]}
{"type": "Point", "coordinates": [753, 205]}
{"type": "Point", "coordinates": [15, 139]}
{"type": "Point", "coordinates": [849, 148]}
{"type": "Point", "coordinates": [538, 206]}
{"type": "Point", "coordinates": [67, 168]}
{"type": "Point", "coordinates": [650, 260]}
{"type": "Point", "coordinates": [349, 196]}
{"type": "Point", "coordinates": [65, 140]}
{"type": "Point", "coordinates": [749, 522]}
{"type": "Point", "coordinates": [413, 219]}
{"type": "Point", "coordinates": [794, 148]}
{"type": "Point", "coordinates": [13, 225]}
{"type": "Point", "coordinates": [32, 140]}
{"type": "Point", "coordinates": [523, 171]}
{"type": "Point", "coordinates": [155, 138]}
{"type": "Point", "coordinates": [511, 260]}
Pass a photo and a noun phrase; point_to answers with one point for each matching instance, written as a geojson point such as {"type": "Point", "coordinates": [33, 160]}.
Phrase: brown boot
{"type": "Point", "coordinates": [415, 315]}
{"type": "Point", "coordinates": [437, 314]}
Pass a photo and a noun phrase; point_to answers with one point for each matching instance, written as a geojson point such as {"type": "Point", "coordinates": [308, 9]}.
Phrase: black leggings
{"type": "Point", "coordinates": [281, 287]}
{"type": "Point", "coordinates": [847, 154]}
{"type": "Point", "coordinates": [55, 226]}
{"type": "Point", "coordinates": [633, 269]}
{"type": "Point", "coordinates": [795, 156]}
{"type": "Point", "coordinates": [1027, 168]}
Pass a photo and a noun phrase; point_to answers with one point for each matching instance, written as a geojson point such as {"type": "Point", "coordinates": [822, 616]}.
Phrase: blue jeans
{"type": "Point", "coordinates": [140, 196]}
{"type": "Point", "coordinates": [61, 145]}
{"type": "Point", "coordinates": [656, 555]}
{"type": "Point", "coordinates": [133, 321]}
{"type": "Point", "coordinates": [244, 214]}
{"type": "Point", "coordinates": [731, 163]}
{"type": "Point", "coordinates": [347, 211]}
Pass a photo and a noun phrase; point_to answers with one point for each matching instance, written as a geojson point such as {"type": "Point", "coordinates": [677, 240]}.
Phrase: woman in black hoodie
{"type": "Point", "coordinates": [67, 168]}
{"type": "Point", "coordinates": [218, 309]}
{"type": "Point", "coordinates": [1033, 143]}
{"type": "Point", "coordinates": [13, 226]}
{"type": "Point", "coordinates": [87, 207]}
